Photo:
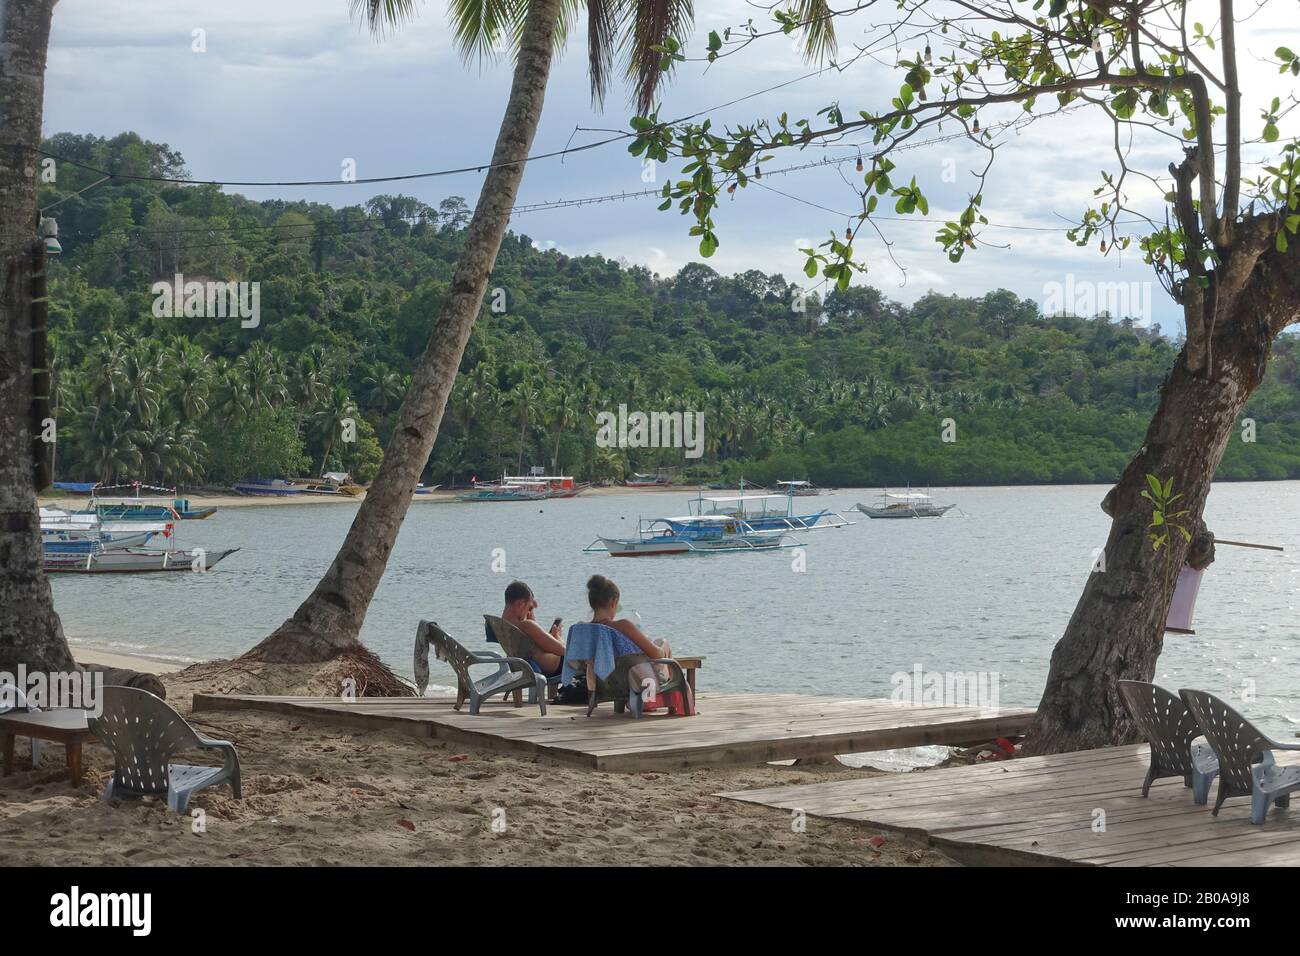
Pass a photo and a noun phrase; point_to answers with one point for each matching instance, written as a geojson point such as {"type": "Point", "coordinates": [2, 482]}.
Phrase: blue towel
{"type": "Point", "coordinates": [599, 643]}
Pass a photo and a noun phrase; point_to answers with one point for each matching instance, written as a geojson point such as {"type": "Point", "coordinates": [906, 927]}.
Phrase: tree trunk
{"type": "Point", "coordinates": [327, 623]}
{"type": "Point", "coordinates": [1117, 629]}
{"type": "Point", "coordinates": [30, 631]}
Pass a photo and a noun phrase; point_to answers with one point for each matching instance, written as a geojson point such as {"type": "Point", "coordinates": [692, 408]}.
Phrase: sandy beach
{"type": "Point", "coordinates": [321, 794]}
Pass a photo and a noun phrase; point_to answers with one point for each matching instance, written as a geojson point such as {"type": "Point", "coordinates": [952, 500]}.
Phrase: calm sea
{"type": "Point", "coordinates": [987, 589]}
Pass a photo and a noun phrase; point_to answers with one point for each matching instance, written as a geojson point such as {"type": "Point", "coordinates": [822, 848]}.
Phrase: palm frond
{"type": "Point", "coordinates": [485, 28]}
{"type": "Point", "coordinates": [653, 22]}
{"type": "Point", "coordinates": [818, 28]}
{"type": "Point", "coordinates": [602, 37]}
{"type": "Point", "coordinates": [382, 15]}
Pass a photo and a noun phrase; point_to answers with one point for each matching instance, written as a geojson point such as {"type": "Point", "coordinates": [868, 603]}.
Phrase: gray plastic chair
{"type": "Point", "coordinates": [143, 734]}
{"type": "Point", "coordinates": [12, 698]}
{"type": "Point", "coordinates": [1246, 765]}
{"type": "Point", "coordinates": [512, 673]}
{"type": "Point", "coordinates": [617, 686]}
{"type": "Point", "coordinates": [516, 644]}
{"type": "Point", "coordinates": [1171, 730]}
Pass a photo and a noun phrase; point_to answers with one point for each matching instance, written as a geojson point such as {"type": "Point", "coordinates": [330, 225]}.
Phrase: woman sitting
{"type": "Point", "coordinates": [547, 656]}
{"type": "Point", "coordinates": [629, 641]}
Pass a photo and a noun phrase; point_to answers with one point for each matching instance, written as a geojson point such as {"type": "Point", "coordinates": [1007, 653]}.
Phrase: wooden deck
{"type": "Point", "coordinates": [1043, 810]}
{"type": "Point", "coordinates": [728, 729]}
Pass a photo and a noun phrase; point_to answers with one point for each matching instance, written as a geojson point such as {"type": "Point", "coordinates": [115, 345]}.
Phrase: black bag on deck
{"type": "Point", "coordinates": [572, 693]}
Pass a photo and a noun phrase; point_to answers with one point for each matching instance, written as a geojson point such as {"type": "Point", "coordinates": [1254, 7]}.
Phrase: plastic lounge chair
{"type": "Point", "coordinates": [12, 698]}
{"type": "Point", "coordinates": [1246, 765]}
{"type": "Point", "coordinates": [1170, 729]}
{"type": "Point", "coordinates": [512, 673]}
{"type": "Point", "coordinates": [516, 644]}
{"type": "Point", "coordinates": [616, 685]}
{"type": "Point", "coordinates": [143, 734]}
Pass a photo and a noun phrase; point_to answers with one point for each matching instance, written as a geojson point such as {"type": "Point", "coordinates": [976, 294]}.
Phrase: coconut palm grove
{"type": "Point", "coordinates": [850, 390]}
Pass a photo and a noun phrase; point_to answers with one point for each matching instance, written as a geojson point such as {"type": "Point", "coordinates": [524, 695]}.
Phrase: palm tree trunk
{"type": "Point", "coordinates": [1117, 629]}
{"type": "Point", "coordinates": [30, 631]}
{"type": "Point", "coordinates": [327, 623]}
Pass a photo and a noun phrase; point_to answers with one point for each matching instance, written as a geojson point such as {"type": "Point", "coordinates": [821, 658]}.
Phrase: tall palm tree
{"type": "Point", "coordinates": [561, 412]}
{"type": "Point", "coordinates": [328, 621]}
{"type": "Point", "coordinates": [330, 419]}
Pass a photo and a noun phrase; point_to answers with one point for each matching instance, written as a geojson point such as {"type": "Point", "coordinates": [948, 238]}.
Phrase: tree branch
{"type": "Point", "coordinates": [1231, 175]}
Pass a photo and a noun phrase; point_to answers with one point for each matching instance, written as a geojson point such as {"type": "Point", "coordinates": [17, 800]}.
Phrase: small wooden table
{"type": "Point", "coordinates": [690, 665]}
{"type": "Point", "coordinates": [65, 726]}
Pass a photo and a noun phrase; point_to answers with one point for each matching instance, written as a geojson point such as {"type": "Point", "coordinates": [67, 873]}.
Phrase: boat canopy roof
{"type": "Point", "coordinates": [797, 484]}
{"type": "Point", "coordinates": [906, 496]}
{"type": "Point", "coordinates": [743, 498]}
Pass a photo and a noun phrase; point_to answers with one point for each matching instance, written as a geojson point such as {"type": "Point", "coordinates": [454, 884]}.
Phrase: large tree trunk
{"type": "Point", "coordinates": [328, 622]}
{"type": "Point", "coordinates": [30, 631]}
{"type": "Point", "coordinates": [1117, 630]}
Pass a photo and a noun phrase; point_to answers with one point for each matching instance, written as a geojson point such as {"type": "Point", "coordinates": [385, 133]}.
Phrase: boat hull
{"type": "Point", "coordinates": [131, 561]}
{"type": "Point", "coordinates": [85, 542]}
{"type": "Point", "coordinates": [924, 511]}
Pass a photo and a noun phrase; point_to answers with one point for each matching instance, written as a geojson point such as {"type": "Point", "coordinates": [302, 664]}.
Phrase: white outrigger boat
{"type": "Point", "coordinates": [134, 560]}
{"type": "Point", "coordinates": [909, 504]}
{"type": "Point", "coordinates": [691, 534]}
{"type": "Point", "coordinates": [801, 489]}
{"type": "Point", "coordinates": [766, 512]}
{"type": "Point", "coordinates": [67, 532]}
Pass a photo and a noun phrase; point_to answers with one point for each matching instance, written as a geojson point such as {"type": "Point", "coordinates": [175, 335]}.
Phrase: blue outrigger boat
{"type": "Point", "coordinates": [766, 512]}
{"type": "Point", "coordinates": [691, 535]}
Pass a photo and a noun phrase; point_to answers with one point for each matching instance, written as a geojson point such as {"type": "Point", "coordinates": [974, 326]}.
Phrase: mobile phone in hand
{"type": "Point", "coordinates": [556, 623]}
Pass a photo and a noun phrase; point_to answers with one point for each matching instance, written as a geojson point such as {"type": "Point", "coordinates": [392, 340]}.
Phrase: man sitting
{"type": "Point", "coordinates": [547, 657]}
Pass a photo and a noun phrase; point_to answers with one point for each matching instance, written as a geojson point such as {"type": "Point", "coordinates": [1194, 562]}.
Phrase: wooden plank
{"type": "Point", "coordinates": [1040, 810]}
{"type": "Point", "coordinates": [733, 728]}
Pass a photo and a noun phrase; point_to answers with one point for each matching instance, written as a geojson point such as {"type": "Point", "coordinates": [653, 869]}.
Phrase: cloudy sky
{"type": "Point", "coordinates": [290, 89]}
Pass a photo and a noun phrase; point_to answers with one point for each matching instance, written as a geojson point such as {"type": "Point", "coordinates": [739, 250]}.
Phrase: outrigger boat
{"type": "Point", "coordinates": [332, 484]}
{"type": "Point", "coordinates": [66, 532]}
{"type": "Point", "coordinates": [909, 504]}
{"type": "Point", "coordinates": [135, 507]}
{"type": "Point", "coordinates": [800, 489]}
{"type": "Point", "coordinates": [503, 491]}
{"type": "Point", "coordinates": [539, 487]}
{"type": "Point", "coordinates": [84, 541]}
{"type": "Point", "coordinates": [136, 560]}
{"type": "Point", "coordinates": [557, 486]}
{"type": "Point", "coordinates": [691, 535]}
{"type": "Point", "coordinates": [648, 481]}
{"type": "Point", "coordinates": [766, 512]}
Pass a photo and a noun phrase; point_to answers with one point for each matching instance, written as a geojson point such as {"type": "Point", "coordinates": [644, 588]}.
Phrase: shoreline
{"type": "Point", "coordinates": [233, 500]}
{"type": "Point", "coordinates": [136, 662]}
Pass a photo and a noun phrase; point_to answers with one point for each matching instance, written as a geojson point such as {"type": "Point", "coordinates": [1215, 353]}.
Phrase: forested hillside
{"type": "Point", "coordinates": [852, 390]}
